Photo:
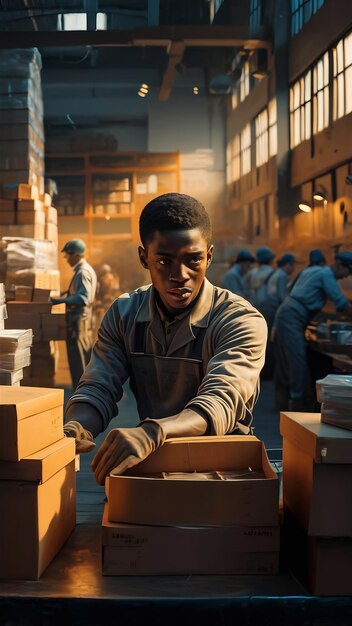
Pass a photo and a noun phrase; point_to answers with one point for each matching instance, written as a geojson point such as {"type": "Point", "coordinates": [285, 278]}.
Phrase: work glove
{"type": "Point", "coordinates": [84, 439]}
{"type": "Point", "coordinates": [125, 447]}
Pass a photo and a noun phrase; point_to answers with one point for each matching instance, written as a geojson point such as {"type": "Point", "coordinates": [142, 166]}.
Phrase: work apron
{"type": "Point", "coordinates": [164, 385]}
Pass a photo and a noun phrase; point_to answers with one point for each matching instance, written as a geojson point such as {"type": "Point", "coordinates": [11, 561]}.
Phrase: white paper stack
{"type": "Point", "coordinates": [335, 394]}
{"type": "Point", "coordinates": [15, 354]}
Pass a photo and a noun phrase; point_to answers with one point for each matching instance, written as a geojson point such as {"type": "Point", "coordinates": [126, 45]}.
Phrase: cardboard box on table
{"type": "Point", "coordinates": [31, 418]}
{"type": "Point", "coordinates": [138, 498]}
{"type": "Point", "coordinates": [37, 509]}
{"type": "Point", "coordinates": [154, 525]}
{"type": "Point", "coordinates": [317, 474]}
{"type": "Point", "coordinates": [137, 549]}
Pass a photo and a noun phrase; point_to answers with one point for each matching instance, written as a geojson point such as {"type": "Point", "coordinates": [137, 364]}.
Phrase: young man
{"type": "Point", "coordinates": [191, 351]}
{"type": "Point", "coordinates": [79, 300]}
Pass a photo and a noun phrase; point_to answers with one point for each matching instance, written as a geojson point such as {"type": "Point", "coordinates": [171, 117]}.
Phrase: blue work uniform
{"type": "Point", "coordinates": [309, 294]}
{"type": "Point", "coordinates": [234, 280]}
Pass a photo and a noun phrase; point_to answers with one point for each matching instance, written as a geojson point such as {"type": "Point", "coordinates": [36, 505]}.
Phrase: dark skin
{"type": "Point", "coordinates": [177, 262]}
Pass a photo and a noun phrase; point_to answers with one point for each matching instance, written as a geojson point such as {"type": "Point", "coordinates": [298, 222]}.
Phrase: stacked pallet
{"type": "Point", "coordinates": [37, 481]}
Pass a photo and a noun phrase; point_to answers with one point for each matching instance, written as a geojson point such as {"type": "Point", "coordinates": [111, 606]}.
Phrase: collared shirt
{"type": "Point", "coordinates": [315, 286]}
{"type": "Point", "coordinates": [83, 285]}
{"type": "Point", "coordinates": [234, 280]}
{"type": "Point", "coordinates": [233, 352]}
{"type": "Point", "coordinates": [254, 280]}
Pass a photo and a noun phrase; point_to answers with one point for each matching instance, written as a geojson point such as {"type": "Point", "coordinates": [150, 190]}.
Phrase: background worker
{"type": "Point", "coordinates": [79, 300]}
{"type": "Point", "coordinates": [191, 351]}
{"type": "Point", "coordinates": [275, 292]}
{"type": "Point", "coordinates": [257, 276]}
{"type": "Point", "coordinates": [234, 277]}
{"type": "Point", "coordinates": [315, 285]}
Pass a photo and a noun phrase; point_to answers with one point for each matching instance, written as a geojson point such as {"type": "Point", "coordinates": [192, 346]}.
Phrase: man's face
{"type": "Point", "coordinates": [72, 259]}
{"type": "Point", "coordinates": [177, 262]}
{"type": "Point", "coordinates": [341, 271]}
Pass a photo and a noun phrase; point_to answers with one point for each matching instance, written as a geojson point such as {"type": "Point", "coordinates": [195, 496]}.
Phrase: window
{"type": "Point", "coordinates": [246, 149]}
{"type": "Point", "coordinates": [301, 12]}
{"type": "Point", "coordinates": [261, 138]}
{"type": "Point", "coordinates": [233, 160]}
{"type": "Point", "coordinates": [244, 81]}
{"type": "Point", "coordinates": [255, 14]}
{"type": "Point", "coordinates": [321, 94]}
{"type": "Point", "coordinates": [234, 97]}
{"type": "Point", "coordinates": [272, 110]}
{"type": "Point", "coordinates": [342, 70]}
{"type": "Point", "coordinates": [300, 110]}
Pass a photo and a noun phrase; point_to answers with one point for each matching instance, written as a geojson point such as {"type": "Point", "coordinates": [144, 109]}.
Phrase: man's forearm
{"type": "Point", "coordinates": [87, 415]}
{"type": "Point", "coordinates": [188, 423]}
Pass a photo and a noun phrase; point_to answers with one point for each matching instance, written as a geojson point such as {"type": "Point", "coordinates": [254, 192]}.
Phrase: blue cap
{"type": "Point", "coordinates": [345, 258]}
{"type": "Point", "coordinates": [286, 258]}
{"type": "Point", "coordinates": [316, 256]}
{"type": "Point", "coordinates": [264, 254]}
{"type": "Point", "coordinates": [244, 255]}
{"type": "Point", "coordinates": [74, 246]}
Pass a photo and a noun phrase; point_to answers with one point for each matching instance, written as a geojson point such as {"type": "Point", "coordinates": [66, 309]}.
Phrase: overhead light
{"type": "Point", "coordinates": [196, 91]}
{"type": "Point", "coordinates": [143, 90]}
{"type": "Point", "coordinates": [107, 217]}
{"type": "Point", "coordinates": [320, 194]}
{"type": "Point", "coordinates": [305, 207]}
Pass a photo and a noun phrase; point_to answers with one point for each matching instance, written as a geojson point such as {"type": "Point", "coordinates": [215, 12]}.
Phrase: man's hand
{"type": "Point", "coordinates": [125, 447]}
{"type": "Point", "coordinates": [84, 439]}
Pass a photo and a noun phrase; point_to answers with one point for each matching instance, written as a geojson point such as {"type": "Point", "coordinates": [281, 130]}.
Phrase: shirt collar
{"type": "Point", "coordinates": [199, 315]}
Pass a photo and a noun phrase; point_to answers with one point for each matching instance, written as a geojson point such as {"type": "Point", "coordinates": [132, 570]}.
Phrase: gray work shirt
{"type": "Point", "coordinates": [82, 288]}
{"type": "Point", "coordinates": [315, 286]}
{"type": "Point", "coordinates": [232, 353]}
{"type": "Point", "coordinates": [234, 280]}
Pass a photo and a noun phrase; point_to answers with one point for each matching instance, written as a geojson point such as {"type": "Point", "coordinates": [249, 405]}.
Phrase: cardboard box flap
{"type": "Point", "coordinates": [203, 454]}
{"type": "Point", "coordinates": [323, 443]}
{"type": "Point", "coordinates": [21, 402]}
{"type": "Point", "coordinates": [40, 466]}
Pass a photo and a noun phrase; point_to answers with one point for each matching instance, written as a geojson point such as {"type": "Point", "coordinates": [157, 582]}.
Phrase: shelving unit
{"type": "Point", "coordinates": [101, 195]}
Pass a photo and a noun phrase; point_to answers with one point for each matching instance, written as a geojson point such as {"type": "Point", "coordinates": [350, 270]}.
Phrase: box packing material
{"type": "Point", "coordinates": [334, 392]}
{"type": "Point", "coordinates": [30, 419]}
{"type": "Point", "coordinates": [37, 509]}
{"type": "Point", "coordinates": [211, 503]}
{"type": "Point", "coordinates": [317, 483]}
{"type": "Point", "coordinates": [15, 348]}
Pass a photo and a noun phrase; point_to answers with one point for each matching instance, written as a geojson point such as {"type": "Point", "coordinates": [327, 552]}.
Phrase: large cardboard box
{"type": "Point", "coordinates": [317, 474]}
{"type": "Point", "coordinates": [31, 418]}
{"type": "Point", "coordinates": [37, 510]}
{"type": "Point", "coordinates": [321, 564]}
{"type": "Point", "coordinates": [143, 497]}
{"type": "Point", "coordinates": [130, 549]}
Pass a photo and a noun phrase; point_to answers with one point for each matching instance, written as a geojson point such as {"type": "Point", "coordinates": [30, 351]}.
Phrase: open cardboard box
{"type": "Point", "coordinates": [37, 510]}
{"type": "Point", "coordinates": [31, 418]}
{"type": "Point", "coordinates": [143, 497]}
{"type": "Point", "coordinates": [136, 549]}
{"type": "Point", "coordinates": [317, 474]}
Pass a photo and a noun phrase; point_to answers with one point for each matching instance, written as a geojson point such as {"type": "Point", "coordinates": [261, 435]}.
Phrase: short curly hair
{"type": "Point", "coordinates": [173, 211]}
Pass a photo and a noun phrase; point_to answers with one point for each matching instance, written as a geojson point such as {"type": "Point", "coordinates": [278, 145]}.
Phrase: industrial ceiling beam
{"type": "Point", "coordinates": [176, 51]}
{"type": "Point", "coordinates": [195, 35]}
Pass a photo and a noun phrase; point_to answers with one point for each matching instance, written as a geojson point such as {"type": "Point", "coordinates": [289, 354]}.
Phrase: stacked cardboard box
{"type": "Point", "coordinates": [317, 485]}
{"type": "Point", "coordinates": [48, 322]}
{"type": "Point", "coordinates": [15, 347]}
{"type": "Point", "coordinates": [334, 392]}
{"type": "Point", "coordinates": [21, 119]}
{"type": "Point", "coordinates": [37, 481]}
{"type": "Point", "coordinates": [205, 505]}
